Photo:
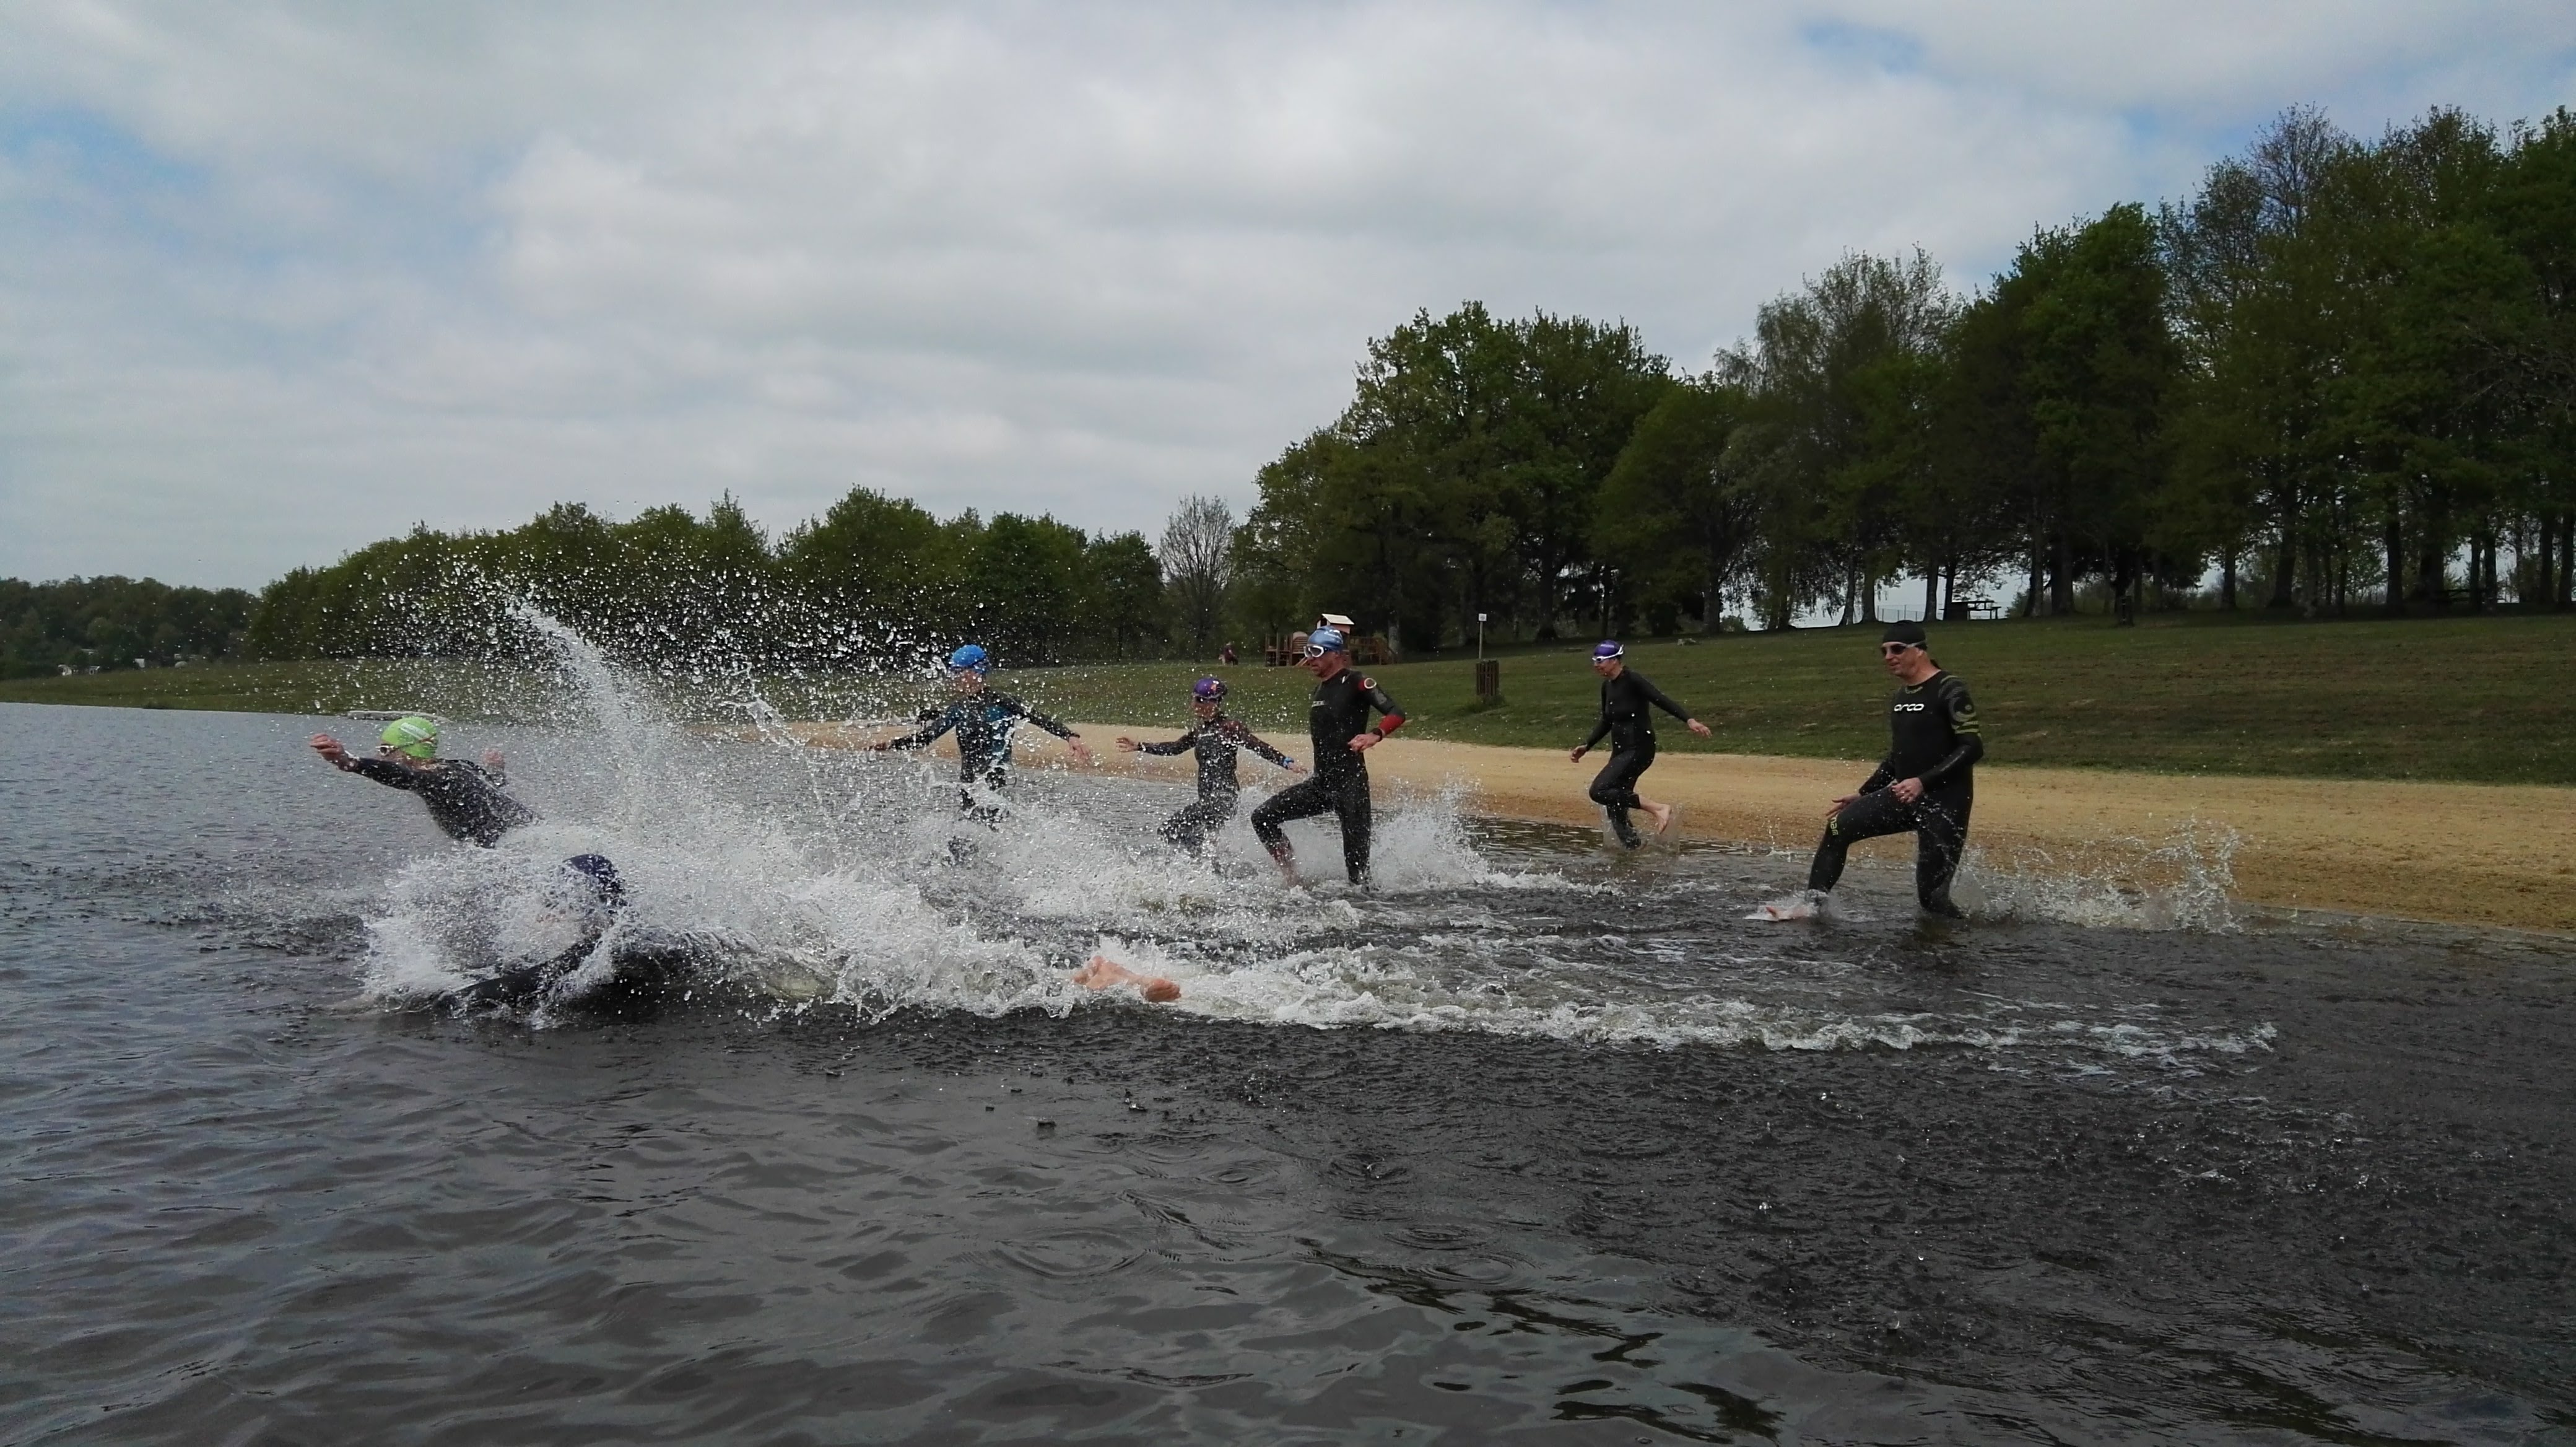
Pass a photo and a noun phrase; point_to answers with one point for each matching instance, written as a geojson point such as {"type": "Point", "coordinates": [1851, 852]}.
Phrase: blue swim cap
{"type": "Point", "coordinates": [1607, 649]}
{"type": "Point", "coordinates": [1329, 640]}
{"type": "Point", "coordinates": [970, 659]}
{"type": "Point", "coordinates": [1208, 690]}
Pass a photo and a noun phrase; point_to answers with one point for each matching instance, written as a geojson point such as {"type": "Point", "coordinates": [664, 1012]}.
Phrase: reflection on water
{"type": "Point", "coordinates": [1532, 1141]}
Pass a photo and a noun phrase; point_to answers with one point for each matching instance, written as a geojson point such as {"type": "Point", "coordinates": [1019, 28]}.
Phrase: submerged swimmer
{"type": "Point", "coordinates": [1625, 717]}
{"type": "Point", "coordinates": [1104, 973]}
{"type": "Point", "coordinates": [982, 721]}
{"type": "Point", "coordinates": [589, 894]}
{"type": "Point", "coordinates": [463, 798]}
{"type": "Point", "coordinates": [590, 891]}
{"type": "Point", "coordinates": [1214, 738]}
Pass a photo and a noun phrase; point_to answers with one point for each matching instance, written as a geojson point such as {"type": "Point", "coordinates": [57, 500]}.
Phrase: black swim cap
{"type": "Point", "coordinates": [1905, 632]}
{"type": "Point", "coordinates": [595, 873]}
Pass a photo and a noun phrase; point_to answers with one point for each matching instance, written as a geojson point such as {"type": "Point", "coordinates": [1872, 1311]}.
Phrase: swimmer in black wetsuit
{"type": "Point", "coordinates": [464, 799]}
{"type": "Point", "coordinates": [1625, 697]}
{"type": "Point", "coordinates": [983, 721]}
{"type": "Point", "coordinates": [641, 972]}
{"type": "Point", "coordinates": [1214, 738]}
{"type": "Point", "coordinates": [1926, 783]}
{"type": "Point", "coordinates": [1337, 720]}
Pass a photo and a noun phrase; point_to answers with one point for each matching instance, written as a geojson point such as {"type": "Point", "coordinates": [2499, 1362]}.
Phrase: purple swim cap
{"type": "Point", "coordinates": [1607, 649]}
{"type": "Point", "coordinates": [1208, 690]}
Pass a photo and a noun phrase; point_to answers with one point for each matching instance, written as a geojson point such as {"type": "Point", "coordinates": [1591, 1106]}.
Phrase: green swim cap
{"type": "Point", "coordinates": [415, 736]}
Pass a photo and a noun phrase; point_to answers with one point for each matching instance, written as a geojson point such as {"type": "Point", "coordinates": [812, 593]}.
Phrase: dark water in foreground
{"type": "Point", "coordinates": [1534, 1145]}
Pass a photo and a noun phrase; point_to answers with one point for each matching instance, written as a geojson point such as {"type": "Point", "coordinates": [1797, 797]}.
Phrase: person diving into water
{"type": "Point", "coordinates": [589, 894]}
{"type": "Point", "coordinates": [463, 798]}
{"type": "Point", "coordinates": [1337, 721]}
{"type": "Point", "coordinates": [1926, 783]}
{"type": "Point", "coordinates": [1214, 738]}
{"type": "Point", "coordinates": [982, 720]}
{"type": "Point", "coordinates": [1626, 696]}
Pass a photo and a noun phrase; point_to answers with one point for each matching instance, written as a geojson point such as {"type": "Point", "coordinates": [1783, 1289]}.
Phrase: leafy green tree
{"type": "Point", "coordinates": [1676, 505]}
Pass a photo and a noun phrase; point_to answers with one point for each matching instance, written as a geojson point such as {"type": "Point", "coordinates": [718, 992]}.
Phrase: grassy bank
{"type": "Point", "coordinates": [2461, 699]}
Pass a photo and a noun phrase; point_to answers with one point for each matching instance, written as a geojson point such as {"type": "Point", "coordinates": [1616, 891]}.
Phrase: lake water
{"type": "Point", "coordinates": [1530, 1143]}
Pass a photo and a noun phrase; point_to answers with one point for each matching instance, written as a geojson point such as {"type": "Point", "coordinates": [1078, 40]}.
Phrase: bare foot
{"type": "Point", "coordinates": [1663, 815]}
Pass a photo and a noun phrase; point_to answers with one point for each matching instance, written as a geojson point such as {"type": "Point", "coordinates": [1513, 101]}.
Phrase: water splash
{"type": "Point", "coordinates": [810, 878]}
{"type": "Point", "coordinates": [2182, 881]}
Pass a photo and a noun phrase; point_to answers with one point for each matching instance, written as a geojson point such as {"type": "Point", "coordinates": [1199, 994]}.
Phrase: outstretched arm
{"type": "Point", "coordinates": [933, 725]}
{"type": "Point", "coordinates": [1242, 734]}
{"type": "Point", "coordinates": [1181, 745]}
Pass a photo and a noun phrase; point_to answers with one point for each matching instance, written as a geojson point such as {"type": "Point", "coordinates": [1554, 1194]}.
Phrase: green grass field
{"type": "Point", "coordinates": [2458, 699]}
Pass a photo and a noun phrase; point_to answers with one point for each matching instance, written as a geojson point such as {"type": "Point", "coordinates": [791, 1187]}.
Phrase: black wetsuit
{"type": "Point", "coordinates": [983, 722]}
{"type": "Point", "coordinates": [1338, 713]}
{"type": "Point", "coordinates": [465, 799]}
{"type": "Point", "coordinates": [1934, 737]}
{"type": "Point", "coordinates": [1215, 741]}
{"type": "Point", "coordinates": [1627, 719]}
{"type": "Point", "coordinates": [644, 975]}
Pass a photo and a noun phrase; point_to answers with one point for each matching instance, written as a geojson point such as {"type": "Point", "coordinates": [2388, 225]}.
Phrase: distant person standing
{"type": "Point", "coordinates": [464, 799]}
{"type": "Point", "coordinates": [1229, 656]}
{"type": "Point", "coordinates": [1926, 783]}
{"type": "Point", "coordinates": [1337, 719]}
{"type": "Point", "coordinates": [1627, 700]}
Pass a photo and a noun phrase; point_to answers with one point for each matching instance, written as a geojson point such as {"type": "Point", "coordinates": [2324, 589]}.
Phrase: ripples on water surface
{"type": "Point", "coordinates": [1532, 1144]}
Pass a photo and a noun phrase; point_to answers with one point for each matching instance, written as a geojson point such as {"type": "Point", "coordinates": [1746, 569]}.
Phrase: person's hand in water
{"type": "Point", "coordinates": [331, 751]}
{"type": "Point", "coordinates": [1081, 751]}
{"type": "Point", "coordinates": [1104, 973]}
{"type": "Point", "coordinates": [1127, 745]}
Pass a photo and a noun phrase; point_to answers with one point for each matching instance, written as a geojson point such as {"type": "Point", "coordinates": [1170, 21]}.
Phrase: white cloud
{"type": "Point", "coordinates": [279, 280]}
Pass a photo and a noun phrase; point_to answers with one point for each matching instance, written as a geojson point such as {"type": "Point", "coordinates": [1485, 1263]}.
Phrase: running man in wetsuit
{"type": "Point", "coordinates": [1214, 738]}
{"type": "Point", "coordinates": [983, 721]}
{"type": "Point", "coordinates": [1926, 783]}
{"type": "Point", "coordinates": [464, 799]}
{"type": "Point", "coordinates": [1338, 721]}
{"type": "Point", "coordinates": [1625, 697]}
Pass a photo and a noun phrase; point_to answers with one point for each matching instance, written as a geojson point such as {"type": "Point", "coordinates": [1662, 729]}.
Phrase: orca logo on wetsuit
{"type": "Point", "coordinates": [1910, 708]}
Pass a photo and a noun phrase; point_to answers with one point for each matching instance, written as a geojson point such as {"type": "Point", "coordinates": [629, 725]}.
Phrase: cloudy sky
{"type": "Point", "coordinates": [277, 280]}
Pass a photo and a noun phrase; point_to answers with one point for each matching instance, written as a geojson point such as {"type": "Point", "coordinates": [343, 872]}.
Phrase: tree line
{"type": "Point", "coordinates": [873, 582]}
{"type": "Point", "coordinates": [100, 623]}
{"type": "Point", "coordinates": [2339, 375]}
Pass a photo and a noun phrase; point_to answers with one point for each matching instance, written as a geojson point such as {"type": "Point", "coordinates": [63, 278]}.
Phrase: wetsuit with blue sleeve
{"type": "Point", "coordinates": [1934, 737]}
{"type": "Point", "coordinates": [1215, 741]}
{"type": "Point", "coordinates": [982, 722]}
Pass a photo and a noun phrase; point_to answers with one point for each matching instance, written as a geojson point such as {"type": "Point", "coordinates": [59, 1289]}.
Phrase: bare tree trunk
{"type": "Point", "coordinates": [2285, 574]}
{"type": "Point", "coordinates": [2030, 595]}
{"type": "Point", "coordinates": [2227, 582]}
{"type": "Point", "coordinates": [2061, 575]}
{"type": "Point", "coordinates": [2393, 541]}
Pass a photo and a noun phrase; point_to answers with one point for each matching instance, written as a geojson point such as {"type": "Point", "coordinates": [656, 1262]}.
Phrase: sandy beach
{"type": "Point", "coordinates": [2462, 853]}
